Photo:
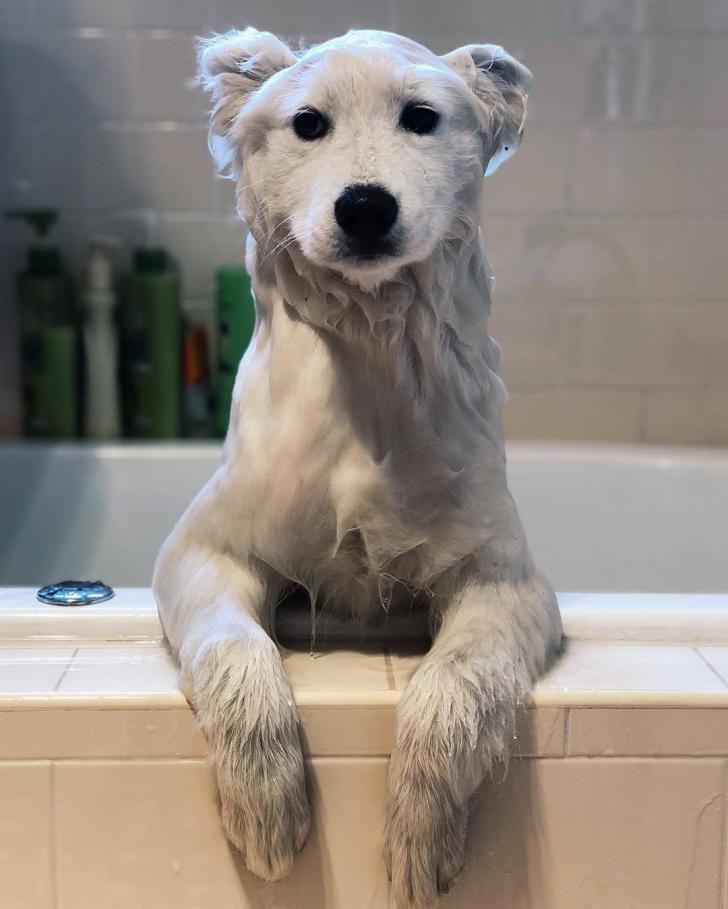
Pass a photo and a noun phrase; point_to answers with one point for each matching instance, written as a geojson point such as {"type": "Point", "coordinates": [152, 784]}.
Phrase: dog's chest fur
{"type": "Point", "coordinates": [352, 481]}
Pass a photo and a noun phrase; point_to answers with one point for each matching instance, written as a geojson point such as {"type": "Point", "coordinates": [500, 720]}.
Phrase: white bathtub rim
{"type": "Point", "coordinates": [675, 618]}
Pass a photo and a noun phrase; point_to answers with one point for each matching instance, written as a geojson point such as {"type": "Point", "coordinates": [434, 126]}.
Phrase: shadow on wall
{"type": "Point", "coordinates": [507, 815]}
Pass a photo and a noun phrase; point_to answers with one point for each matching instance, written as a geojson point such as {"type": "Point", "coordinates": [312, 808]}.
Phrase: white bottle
{"type": "Point", "coordinates": [101, 404]}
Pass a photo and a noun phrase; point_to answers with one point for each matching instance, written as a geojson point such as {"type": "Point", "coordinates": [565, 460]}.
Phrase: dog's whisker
{"type": "Point", "coordinates": [284, 244]}
{"type": "Point", "coordinates": [272, 234]}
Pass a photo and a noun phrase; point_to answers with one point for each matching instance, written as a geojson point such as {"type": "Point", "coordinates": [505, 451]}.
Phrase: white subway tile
{"type": "Point", "coordinates": [18, 166]}
{"type": "Point", "coordinates": [59, 77]}
{"type": "Point", "coordinates": [172, 14]}
{"type": "Point", "coordinates": [573, 413]}
{"type": "Point", "coordinates": [128, 168]}
{"type": "Point", "coordinates": [627, 169]}
{"type": "Point", "coordinates": [691, 417]}
{"type": "Point", "coordinates": [161, 69]}
{"type": "Point", "coordinates": [686, 345]}
{"type": "Point", "coordinates": [697, 16]}
{"type": "Point", "coordinates": [618, 259]}
{"type": "Point", "coordinates": [16, 13]}
{"type": "Point", "coordinates": [200, 248]}
{"type": "Point", "coordinates": [650, 170]}
{"type": "Point", "coordinates": [313, 18]}
{"type": "Point", "coordinates": [605, 18]}
{"type": "Point", "coordinates": [535, 179]}
{"type": "Point", "coordinates": [569, 345]}
{"type": "Point", "coordinates": [631, 79]}
{"type": "Point", "coordinates": [484, 22]}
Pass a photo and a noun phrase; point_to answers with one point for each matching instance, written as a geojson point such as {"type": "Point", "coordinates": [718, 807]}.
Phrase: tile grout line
{"type": "Point", "coordinates": [65, 671]}
{"type": "Point", "coordinates": [566, 748]}
{"type": "Point", "coordinates": [390, 669]}
{"type": "Point", "coordinates": [724, 843]}
{"type": "Point", "coordinates": [54, 838]}
{"type": "Point", "coordinates": [709, 665]}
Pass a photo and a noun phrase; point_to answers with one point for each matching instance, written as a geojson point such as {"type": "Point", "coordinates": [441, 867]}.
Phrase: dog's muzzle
{"type": "Point", "coordinates": [366, 214]}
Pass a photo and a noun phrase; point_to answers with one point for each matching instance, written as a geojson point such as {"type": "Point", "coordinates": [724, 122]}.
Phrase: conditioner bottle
{"type": "Point", "coordinates": [151, 347]}
{"type": "Point", "coordinates": [49, 336]}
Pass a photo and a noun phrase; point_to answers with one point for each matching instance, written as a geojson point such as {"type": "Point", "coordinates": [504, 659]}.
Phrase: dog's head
{"type": "Point", "coordinates": [368, 150]}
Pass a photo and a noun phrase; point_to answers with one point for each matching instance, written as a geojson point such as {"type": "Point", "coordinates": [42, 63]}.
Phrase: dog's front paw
{"type": "Point", "coordinates": [265, 811]}
{"type": "Point", "coordinates": [245, 706]}
{"type": "Point", "coordinates": [424, 843]}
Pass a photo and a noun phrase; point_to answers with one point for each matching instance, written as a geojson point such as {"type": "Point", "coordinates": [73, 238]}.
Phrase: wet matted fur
{"type": "Point", "coordinates": [364, 459]}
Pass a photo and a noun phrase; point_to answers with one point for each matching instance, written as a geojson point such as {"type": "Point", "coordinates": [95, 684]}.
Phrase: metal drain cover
{"type": "Point", "coordinates": [75, 593]}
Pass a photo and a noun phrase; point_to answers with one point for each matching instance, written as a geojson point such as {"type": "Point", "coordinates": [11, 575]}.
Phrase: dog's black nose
{"type": "Point", "coordinates": [365, 212]}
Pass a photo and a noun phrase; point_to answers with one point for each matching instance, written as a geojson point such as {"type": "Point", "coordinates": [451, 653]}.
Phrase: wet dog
{"type": "Point", "coordinates": [364, 459]}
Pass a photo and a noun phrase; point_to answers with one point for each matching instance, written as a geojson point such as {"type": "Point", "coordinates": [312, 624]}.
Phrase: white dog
{"type": "Point", "coordinates": [364, 459]}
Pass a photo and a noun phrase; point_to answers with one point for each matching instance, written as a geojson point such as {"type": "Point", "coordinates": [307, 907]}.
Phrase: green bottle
{"type": "Point", "coordinates": [236, 323]}
{"type": "Point", "coordinates": [151, 347]}
{"type": "Point", "coordinates": [49, 336]}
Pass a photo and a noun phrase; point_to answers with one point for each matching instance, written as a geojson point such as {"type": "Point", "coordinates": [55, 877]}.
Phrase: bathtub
{"type": "Point", "coordinates": [619, 797]}
{"type": "Point", "coordinates": [598, 517]}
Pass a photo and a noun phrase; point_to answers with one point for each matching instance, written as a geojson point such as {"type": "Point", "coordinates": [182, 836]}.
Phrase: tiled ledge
{"type": "Point", "coordinates": [589, 673]}
{"type": "Point", "coordinates": [101, 684]}
{"type": "Point", "coordinates": [121, 700]}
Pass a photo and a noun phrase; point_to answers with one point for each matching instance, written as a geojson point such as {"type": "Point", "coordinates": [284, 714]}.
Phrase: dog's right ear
{"type": "Point", "coordinates": [232, 67]}
{"type": "Point", "coordinates": [501, 85]}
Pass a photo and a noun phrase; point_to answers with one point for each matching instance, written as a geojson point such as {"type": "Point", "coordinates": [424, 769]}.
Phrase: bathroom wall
{"type": "Point", "coordinates": [607, 233]}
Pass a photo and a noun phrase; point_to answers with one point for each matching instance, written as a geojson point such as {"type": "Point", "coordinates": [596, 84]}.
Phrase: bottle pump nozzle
{"type": "Point", "coordinates": [40, 219]}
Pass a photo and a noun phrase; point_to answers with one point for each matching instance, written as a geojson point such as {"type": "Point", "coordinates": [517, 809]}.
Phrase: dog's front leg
{"type": "Point", "coordinates": [232, 673]}
{"type": "Point", "coordinates": [455, 720]}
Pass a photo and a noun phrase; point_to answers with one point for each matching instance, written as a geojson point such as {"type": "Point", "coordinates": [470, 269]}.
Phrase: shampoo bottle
{"type": "Point", "coordinates": [196, 415]}
{"type": "Point", "coordinates": [49, 341]}
{"type": "Point", "coordinates": [151, 347]}
{"type": "Point", "coordinates": [235, 326]}
{"type": "Point", "coordinates": [101, 388]}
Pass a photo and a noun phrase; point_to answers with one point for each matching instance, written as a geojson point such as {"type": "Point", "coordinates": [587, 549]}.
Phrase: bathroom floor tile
{"type": "Point", "coordinates": [32, 670]}
{"type": "Point", "coordinates": [119, 669]}
{"type": "Point", "coordinates": [605, 673]}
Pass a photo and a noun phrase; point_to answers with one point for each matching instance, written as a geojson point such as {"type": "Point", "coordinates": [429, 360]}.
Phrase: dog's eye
{"type": "Point", "coordinates": [310, 124]}
{"type": "Point", "coordinates": [416, 118]}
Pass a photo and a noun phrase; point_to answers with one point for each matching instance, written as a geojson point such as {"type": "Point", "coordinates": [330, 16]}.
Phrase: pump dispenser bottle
{"type": "Point", "coordinates": [152, 342]}
{"type": "Point", "coordinates": [101, 394]}
{"type": "Point", "coordinates": [48, 335]}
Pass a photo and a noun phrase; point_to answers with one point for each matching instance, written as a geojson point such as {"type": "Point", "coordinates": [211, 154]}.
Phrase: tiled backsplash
{"type": "Point", "coordinates": [607, 233]}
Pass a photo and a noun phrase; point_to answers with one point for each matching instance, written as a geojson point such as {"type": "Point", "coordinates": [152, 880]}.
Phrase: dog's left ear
{"type": "Point", "coordinates": [501, 84]}
{"type": "Point", "coordinates": [232, 67]}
